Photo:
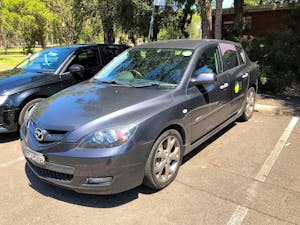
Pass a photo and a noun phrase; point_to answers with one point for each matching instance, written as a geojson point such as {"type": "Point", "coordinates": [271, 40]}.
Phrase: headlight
{"type": "Point", "coordinates": [3, 99]}
{"type": "Point", "coordinates": [108, 138]}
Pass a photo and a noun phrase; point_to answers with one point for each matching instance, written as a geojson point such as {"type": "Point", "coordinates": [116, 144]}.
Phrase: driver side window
{"type": "Point", "coordinates": [87, 58]}
{"type": "Point", "coordinates": [208, 62]}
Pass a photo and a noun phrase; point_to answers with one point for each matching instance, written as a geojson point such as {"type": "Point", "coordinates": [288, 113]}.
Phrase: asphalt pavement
{"type": "Point", "coordinates": [247, 174]}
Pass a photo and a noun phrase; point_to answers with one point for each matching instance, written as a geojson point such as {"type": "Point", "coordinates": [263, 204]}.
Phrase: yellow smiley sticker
{"type": "Point", "coordinates": [236, 87]}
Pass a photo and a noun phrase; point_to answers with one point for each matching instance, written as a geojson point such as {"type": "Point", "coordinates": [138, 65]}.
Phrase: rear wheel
{"type": "Point", "coordinates": [164, 160]}
{"type": "Point", "coordinates": [249, 104]}
{"type": "Point", "coordinates": [28, 109]}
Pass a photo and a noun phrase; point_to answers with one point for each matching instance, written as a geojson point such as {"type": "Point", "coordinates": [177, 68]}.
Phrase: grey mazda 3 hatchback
{"type": "Point", "coordinates": [133, 122]}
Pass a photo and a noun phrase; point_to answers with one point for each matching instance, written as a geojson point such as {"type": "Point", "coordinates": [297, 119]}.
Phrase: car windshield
{"type": "Point", "coordinates": [147, 67]}
{"type": "Point", "coordinates": [47, 60]}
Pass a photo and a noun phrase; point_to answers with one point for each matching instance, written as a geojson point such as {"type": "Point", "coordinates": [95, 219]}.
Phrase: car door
{"type": "Point", "coordinates": [89, 59]}
{"type": "Point", "coordinates": [207, 116]}
{"type": "Point", "coordinates": [236, 69]}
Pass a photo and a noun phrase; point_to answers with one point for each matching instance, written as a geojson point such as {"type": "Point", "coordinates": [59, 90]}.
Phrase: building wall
{"type": "Point", "coordinates": [259, 21]}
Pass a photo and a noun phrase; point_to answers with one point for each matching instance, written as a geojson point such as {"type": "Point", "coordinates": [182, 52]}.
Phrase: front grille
{"type": "Point", "coordinates": [50, 174]}
{"type": "Point", "coordinates": [50, 136]}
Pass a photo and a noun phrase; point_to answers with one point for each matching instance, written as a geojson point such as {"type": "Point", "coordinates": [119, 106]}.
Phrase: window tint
{"type": "Point", "coordinates": [208, 62]}
{"type": "Point", "coordinates": [110, 52]}
{"type": "Point", "coordinates": [87, 58]}
{"type": "Point", "coordinates": [241, 55]}
{"type": "Point", "coordinates": [229, 56]}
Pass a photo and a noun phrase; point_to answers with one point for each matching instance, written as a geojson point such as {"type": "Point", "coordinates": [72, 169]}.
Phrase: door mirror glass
{"type": "Point", "coordinates": [204, 78]}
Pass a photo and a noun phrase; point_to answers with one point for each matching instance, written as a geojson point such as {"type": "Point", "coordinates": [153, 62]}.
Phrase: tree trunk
{"type": "Point", "coordinates": [218, 19]}
{"type": "Point", "coordinates": [108, 28]}
{"type": "Point", "coordinates": [238, 19]}
{"type": "Point", "coordinates": [206, 19]}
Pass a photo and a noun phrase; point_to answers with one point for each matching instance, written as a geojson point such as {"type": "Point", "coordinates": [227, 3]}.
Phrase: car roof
{"type": "Point", "coordinates": [183, 43]}
{"type": "Point", "coordinates": [86, 46]}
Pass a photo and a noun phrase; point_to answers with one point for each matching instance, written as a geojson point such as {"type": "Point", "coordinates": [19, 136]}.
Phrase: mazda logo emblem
{"type": "Point", "coordinates": [40, 134]}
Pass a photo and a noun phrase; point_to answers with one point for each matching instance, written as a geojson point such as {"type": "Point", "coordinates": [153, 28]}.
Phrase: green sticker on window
{"type": "Point", "coordinates": [178, 53]}
{"type": "Point", "coordinates": [143, 54]}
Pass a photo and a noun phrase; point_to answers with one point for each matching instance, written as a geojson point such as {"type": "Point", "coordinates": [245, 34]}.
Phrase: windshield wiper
{"type": "Point", "coordinates": [116, 83]}
{"type": "Point", "coordinates": [157, 84]}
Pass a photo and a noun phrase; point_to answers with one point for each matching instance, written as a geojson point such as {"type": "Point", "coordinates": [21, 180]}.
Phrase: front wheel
{"type": "Point", "coordinates": [28, 109]}
{"type": "Point", "coordinates": [164, 160]}
{"type": "Point", "coordinates": [249, 104]}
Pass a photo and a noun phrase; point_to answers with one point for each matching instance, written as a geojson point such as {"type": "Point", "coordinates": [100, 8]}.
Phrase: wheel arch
{"type": "Point", "coordinates": [176, 127]}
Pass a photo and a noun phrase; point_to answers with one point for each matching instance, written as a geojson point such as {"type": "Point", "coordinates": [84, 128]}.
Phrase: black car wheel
{"type": "Point", "coordinates": [249, 104]}
{"type": "Point", "coordinates": [28, 109]}
{"type": "Point", "coordinates": [164, 160]}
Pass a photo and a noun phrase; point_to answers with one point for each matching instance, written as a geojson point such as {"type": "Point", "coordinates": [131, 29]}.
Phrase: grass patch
{"type": "Point", "coordinates": [11, 60]}
{"type": "Point", "coordinates": [16, 51]}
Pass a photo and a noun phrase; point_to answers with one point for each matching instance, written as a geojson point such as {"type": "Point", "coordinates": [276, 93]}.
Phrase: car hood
{"type": "Point", "coordinates": [87, 102]}
{"type": "Point", "coordinates": [16, 79]}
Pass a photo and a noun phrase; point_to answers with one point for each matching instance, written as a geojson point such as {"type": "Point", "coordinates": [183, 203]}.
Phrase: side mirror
{"type": "Point", "coordinates": [77, 70]}
{"type": "Point", "coordinates": [204, 78]}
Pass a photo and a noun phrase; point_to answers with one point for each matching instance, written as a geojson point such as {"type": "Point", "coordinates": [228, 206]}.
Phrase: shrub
{"type": "Point", "coordinates": [278, 54]}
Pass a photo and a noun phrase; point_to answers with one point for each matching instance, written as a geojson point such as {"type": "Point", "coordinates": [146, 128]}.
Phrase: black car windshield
{"type": "Point", "coordinates": [143, 67]}
{"type": "Point", "coordinates": [47, 60]}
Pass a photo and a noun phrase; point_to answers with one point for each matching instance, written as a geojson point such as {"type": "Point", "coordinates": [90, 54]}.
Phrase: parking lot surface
{"type": "Point", "coordinates": [247, 174]}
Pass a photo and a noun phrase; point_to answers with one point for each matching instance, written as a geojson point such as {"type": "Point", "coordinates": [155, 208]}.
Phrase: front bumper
{"type": "Point", "coordinates": [8, 120]}
{"type": "Point", "coordinates": [71, 169]}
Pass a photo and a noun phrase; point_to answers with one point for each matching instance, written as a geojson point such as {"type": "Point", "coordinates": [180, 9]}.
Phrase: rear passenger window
{"type": "Point", "coordinates": [229, 56]}
{"type": "Point", "coordinates": [241, 55]}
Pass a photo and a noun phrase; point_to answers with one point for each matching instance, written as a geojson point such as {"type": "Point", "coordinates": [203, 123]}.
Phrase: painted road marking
{"type": "Point", "coordinates": [270, 161]}
{"type": "Point", "coordinates": [239, 215]}
{"type": "Point", "coordinates": [240, 212]}
{"type": "Point", "coordinates": [2, 165]}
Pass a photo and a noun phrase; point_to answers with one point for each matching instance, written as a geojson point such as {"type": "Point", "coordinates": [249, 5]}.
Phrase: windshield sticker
{"type": "Point", "coordinates": [187, 53]}
{"type": "Point", "coordinates": [178, 53]}
{"type": "Point", "coordinates": [143, 54]}
{"type": "Point", "coordinates": [52, 54]}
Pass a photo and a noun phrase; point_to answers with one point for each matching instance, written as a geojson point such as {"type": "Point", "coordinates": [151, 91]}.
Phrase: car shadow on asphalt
{"type": "Point", "coordinates": [5, 138]}
{"type": "Point", "coordinates": [105, 201]}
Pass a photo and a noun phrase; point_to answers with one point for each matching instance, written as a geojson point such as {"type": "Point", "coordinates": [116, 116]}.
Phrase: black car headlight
{"type": "Point", "coordinates": [108, 138]}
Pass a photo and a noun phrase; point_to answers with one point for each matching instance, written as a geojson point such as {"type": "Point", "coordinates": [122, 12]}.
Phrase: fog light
{"type": "Point", "coordinates": [99, 180]}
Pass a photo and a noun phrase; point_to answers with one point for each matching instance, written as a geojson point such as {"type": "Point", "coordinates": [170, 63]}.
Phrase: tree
{"type": "Point", "coordinates": [218, 19]}
{"type": "Point", "coordinates": [238, 18]}
{"type": "Point", "coordinates": [206, 18]}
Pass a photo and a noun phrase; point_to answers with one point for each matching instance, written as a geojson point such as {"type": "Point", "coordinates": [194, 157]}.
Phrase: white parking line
{"type": "Point", "coordinates": [240, 212]}
{"type": "Point", "coordinates": [2, 165]}
{"type": "Point", "coordinates": [270, 161]}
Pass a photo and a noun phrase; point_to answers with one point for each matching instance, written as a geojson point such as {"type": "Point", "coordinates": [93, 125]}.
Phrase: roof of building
{"type": "Point", "coordinates": [258, 8]}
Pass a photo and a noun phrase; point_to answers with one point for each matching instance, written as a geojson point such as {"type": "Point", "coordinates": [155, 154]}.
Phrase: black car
{"type": "Point", "coordinates": [134, 121]}
{"type": "Point", "coordinates": [46, 73]}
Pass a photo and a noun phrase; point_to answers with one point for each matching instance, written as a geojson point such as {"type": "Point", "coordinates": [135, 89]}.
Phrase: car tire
{"type": "Point", "coordinates": [28, 109]}
{"type": "Point", "coordinates": [164, 160]}
{"type": "Point", "coordinates": [248, 105]}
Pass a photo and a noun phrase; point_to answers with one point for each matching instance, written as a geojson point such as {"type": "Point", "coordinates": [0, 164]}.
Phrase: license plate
{"type": "Point", "coordinates": [34, 156]}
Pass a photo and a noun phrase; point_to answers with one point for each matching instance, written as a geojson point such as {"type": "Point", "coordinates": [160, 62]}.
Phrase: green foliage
{"type": "Point", "coordinates": [278, 54]}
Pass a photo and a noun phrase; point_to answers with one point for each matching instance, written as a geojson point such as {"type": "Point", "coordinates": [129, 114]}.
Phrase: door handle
{"type": "Point", "coordinates": [225, 85]}
{"type": "Point", "coordinates": [245, 75]}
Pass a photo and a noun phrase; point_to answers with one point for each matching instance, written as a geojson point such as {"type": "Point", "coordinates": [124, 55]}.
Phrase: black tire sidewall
{"type": "Point", "coordinates": [151, 180]}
